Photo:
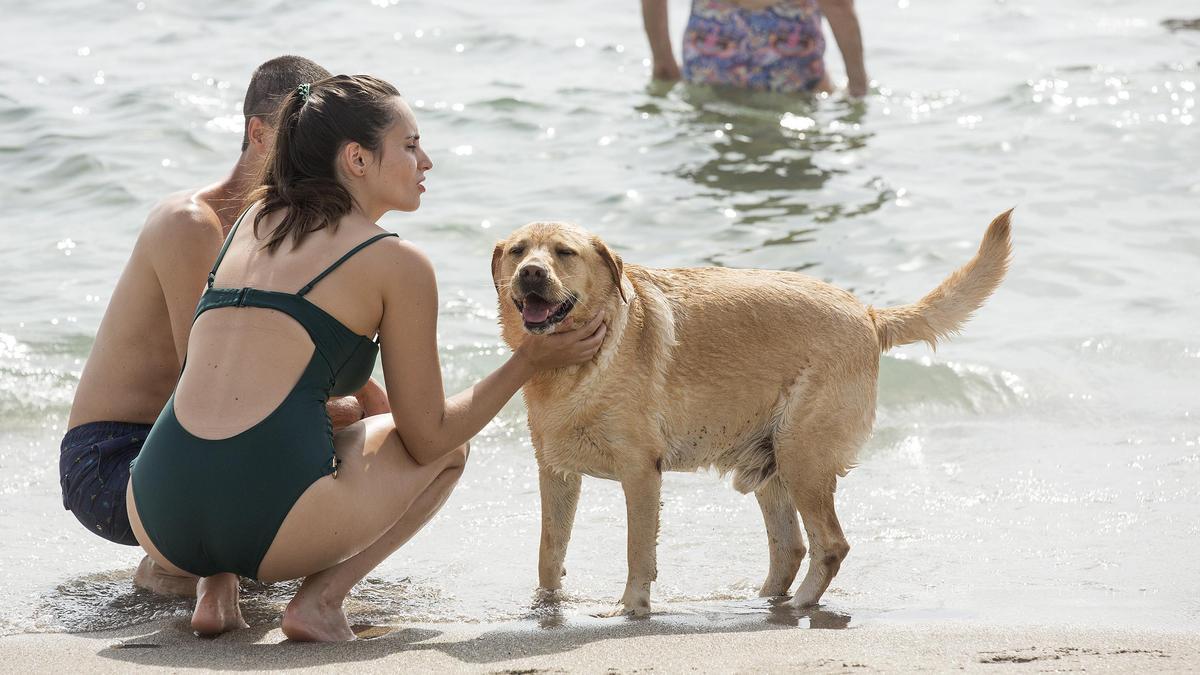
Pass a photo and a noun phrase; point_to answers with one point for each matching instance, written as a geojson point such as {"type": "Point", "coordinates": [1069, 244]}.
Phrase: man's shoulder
{"type": "Point", "coordinates": [183, 217]}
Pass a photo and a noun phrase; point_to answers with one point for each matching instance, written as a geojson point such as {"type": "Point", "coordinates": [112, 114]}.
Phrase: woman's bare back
{"type": "Point", "coordinates": [244, 361]}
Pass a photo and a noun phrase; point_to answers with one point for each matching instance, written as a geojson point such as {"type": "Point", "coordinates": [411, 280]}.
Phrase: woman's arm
{"type": "Point", "coordinates": [843, 21]}
{"type": "Point", "coordinates": [658, 31]}
{"type": "Point", "coordinates": [429, 424]}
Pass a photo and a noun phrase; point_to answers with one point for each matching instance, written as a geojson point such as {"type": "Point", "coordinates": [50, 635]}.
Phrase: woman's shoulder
{"type": "Point", "coordinates": [398, 259]}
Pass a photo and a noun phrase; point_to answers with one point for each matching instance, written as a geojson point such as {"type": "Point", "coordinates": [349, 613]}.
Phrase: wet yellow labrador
{"type": "Point", "coordinates": [768, 375]}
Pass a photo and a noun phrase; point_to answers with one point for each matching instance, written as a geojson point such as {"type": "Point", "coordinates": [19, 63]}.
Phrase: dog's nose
{"type": "Point", "coordinates": [533, 273]}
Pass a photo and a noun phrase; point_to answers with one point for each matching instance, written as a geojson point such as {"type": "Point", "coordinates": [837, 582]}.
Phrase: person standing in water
{"type": "Point", "coordinates": [242, 473]}
{"type": "Point", "coordinates": [139, 348]}
{"type": "Point", "coordinates": [758, 45]}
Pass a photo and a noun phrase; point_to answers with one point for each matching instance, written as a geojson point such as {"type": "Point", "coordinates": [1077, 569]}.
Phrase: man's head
{"type": "Point", "coordinates": [270, 84]}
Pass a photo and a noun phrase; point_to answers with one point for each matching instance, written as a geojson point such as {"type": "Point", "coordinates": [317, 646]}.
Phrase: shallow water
{"type": "Point", "coordinates": [1042, 467]}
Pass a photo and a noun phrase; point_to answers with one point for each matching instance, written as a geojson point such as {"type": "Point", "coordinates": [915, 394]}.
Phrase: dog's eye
{"type": "Point", "coordinates": [516, 250]}
{"type": "Point", "coordinates": [564, 252]}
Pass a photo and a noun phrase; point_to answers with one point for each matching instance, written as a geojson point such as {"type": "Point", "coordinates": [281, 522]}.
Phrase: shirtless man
{"type": "Point", "coordinates": [142, 340]}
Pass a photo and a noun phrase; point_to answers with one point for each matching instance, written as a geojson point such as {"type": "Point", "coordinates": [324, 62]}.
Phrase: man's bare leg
{"type": "Point", "coordinates": [152, 577]}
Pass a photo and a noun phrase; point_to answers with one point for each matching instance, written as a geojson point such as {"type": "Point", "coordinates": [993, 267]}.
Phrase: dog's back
{"type": "Point", "coordinates": [747, 344]}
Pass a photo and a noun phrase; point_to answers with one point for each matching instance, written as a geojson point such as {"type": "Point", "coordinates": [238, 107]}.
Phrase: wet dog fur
{"type": "Point", "coordinates": [768, 375]}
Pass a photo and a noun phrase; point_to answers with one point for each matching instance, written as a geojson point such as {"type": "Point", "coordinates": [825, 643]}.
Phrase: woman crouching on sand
{"type": "Point", "coordinates": [242, 474]}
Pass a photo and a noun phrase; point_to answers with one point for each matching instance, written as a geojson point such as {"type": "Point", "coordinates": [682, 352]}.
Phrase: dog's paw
{"type": "Point", "coordinates": [547, 596]}
{"type": "Point", "coordinates": [637, 610]}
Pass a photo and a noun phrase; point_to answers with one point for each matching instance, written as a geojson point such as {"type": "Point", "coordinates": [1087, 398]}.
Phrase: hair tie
{"type": "Point", "coordinates": [304, 90]}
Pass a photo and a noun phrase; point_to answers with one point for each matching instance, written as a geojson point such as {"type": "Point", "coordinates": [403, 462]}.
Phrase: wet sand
{"type": "Point", "coordinates": [618, 645]}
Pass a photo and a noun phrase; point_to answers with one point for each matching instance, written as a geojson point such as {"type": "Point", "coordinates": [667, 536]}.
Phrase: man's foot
{"type": "Point", "coordinates": [309, 619]}
{"type": "Point", "coordinates": [152, 577]}
{"type": "Point", "coordinates": [217, 608]}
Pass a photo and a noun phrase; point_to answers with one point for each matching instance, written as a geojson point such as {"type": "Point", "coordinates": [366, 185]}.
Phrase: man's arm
{"type": "Point", "coordinates": [658, 31]}
{"type": "Point", "coordinates": [346, 410]}
{"type": "Point", "coordinates": [185, 241]}
{"type": "Point", "coordinates": [343, 411]}
{"type": "Point", "coordinates": [843, 21]}
{"type": "Point", "coordinates": [373, 399]}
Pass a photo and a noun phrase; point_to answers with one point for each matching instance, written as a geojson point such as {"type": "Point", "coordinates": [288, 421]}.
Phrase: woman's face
{"type": "Point", "coordinates": [401, 163]}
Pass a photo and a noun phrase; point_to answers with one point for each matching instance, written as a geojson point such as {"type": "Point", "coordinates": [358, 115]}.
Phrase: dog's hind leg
{"type": "Point", "coordinates": [560, 498]}
{"type": "Point", "coordinates": [783, 537]}
{"type": "Point", "coordinates": [827, 543]}
{"type": "Point", "coordinates": [810, 452]}
{"type": "Point", "coordinates": [816, 440]}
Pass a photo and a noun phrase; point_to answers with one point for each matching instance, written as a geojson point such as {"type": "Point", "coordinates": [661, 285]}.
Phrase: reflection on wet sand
{"type": "Point", "coordinates": [784, 614]}
{"type": "Point", "coordinates": [552, 611]}
{"type": "Point", "coordinates": [109, 600]}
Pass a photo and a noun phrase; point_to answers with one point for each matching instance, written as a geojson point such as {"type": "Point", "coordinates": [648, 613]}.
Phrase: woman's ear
{"type": "Point", "coordinates": [615, 267]}
{"type": "Point", "coordinates": [354, 159]}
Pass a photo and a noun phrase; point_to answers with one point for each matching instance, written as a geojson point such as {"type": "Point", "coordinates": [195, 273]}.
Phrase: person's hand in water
{"type": "Point", "coordinates": [666, 70]}
{"type": "Point", "coordinates": [654, 16]}
{"type": "Point", "coordinates": [569, 348]}
{"type": "Point", "coordinates": [843, 23]}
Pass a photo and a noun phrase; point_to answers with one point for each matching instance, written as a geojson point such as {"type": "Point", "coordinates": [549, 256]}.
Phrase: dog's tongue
{"type": "Point", "coordinates": [537, 310]}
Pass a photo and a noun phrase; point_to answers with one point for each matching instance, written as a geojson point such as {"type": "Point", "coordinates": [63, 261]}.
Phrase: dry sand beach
{"type": "Point", "coordinates": [746, 635]}
{"type": "Point", "coordinates": [694, 644]}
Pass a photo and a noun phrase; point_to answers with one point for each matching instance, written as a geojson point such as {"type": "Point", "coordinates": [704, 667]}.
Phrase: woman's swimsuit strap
{"type": "Point", "coordinates": [309, 286]}
{"type": "Point", "coordinates": [225, 247]}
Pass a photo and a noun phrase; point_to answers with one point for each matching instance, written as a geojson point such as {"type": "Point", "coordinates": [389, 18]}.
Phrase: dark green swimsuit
{"type": "Point", "coordinates": [215, 506]}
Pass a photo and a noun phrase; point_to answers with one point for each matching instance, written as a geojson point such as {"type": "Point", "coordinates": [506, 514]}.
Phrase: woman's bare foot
{"type": "Point", "coordinates": [308, 618]}
{"type": "Point", "coordinates": [217, 608]}
{"type": "Point", "coordinates": [152, 577]}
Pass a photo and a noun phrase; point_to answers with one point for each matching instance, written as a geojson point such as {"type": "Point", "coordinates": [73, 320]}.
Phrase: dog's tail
{"type": "Point", "coordinates": [942, 312]}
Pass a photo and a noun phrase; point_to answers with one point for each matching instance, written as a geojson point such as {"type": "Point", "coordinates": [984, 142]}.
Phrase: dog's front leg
{"type": "Point", "coordinates": [560, 497]}
{"type": "Point", "coordinates": [643, 491]}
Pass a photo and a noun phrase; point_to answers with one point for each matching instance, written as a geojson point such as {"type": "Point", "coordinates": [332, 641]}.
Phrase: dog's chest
{"type": "Point", "coordinates": [577, 449]}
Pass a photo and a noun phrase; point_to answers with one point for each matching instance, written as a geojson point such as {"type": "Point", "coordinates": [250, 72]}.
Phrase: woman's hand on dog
{"type": "Point", "coordinates": [558, 350]}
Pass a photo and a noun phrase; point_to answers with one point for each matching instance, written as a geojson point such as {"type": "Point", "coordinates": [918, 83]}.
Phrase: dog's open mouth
{"type": "Point", "coordinates": [540, 314]}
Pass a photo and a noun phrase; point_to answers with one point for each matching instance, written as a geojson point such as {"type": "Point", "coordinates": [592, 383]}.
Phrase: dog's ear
{"type": "Point", "coordinates": [496, 254]}
{"type": "Point", "coordinates": [615, 266]}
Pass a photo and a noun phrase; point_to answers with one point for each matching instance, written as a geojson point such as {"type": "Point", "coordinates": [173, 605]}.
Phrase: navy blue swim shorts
{"type": "Point", "coordinates": [93, 469]}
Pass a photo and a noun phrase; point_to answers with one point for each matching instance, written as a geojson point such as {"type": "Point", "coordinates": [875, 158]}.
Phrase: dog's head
{"type": "Point", "coordinates": [550, 274]}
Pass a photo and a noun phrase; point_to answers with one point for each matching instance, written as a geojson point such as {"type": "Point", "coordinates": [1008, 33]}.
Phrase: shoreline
{"type": "Point", "coordinates": [665, 644]}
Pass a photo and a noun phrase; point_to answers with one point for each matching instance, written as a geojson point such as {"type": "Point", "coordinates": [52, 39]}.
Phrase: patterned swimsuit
{"type": "Point", "coordinates": [778, 48]}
